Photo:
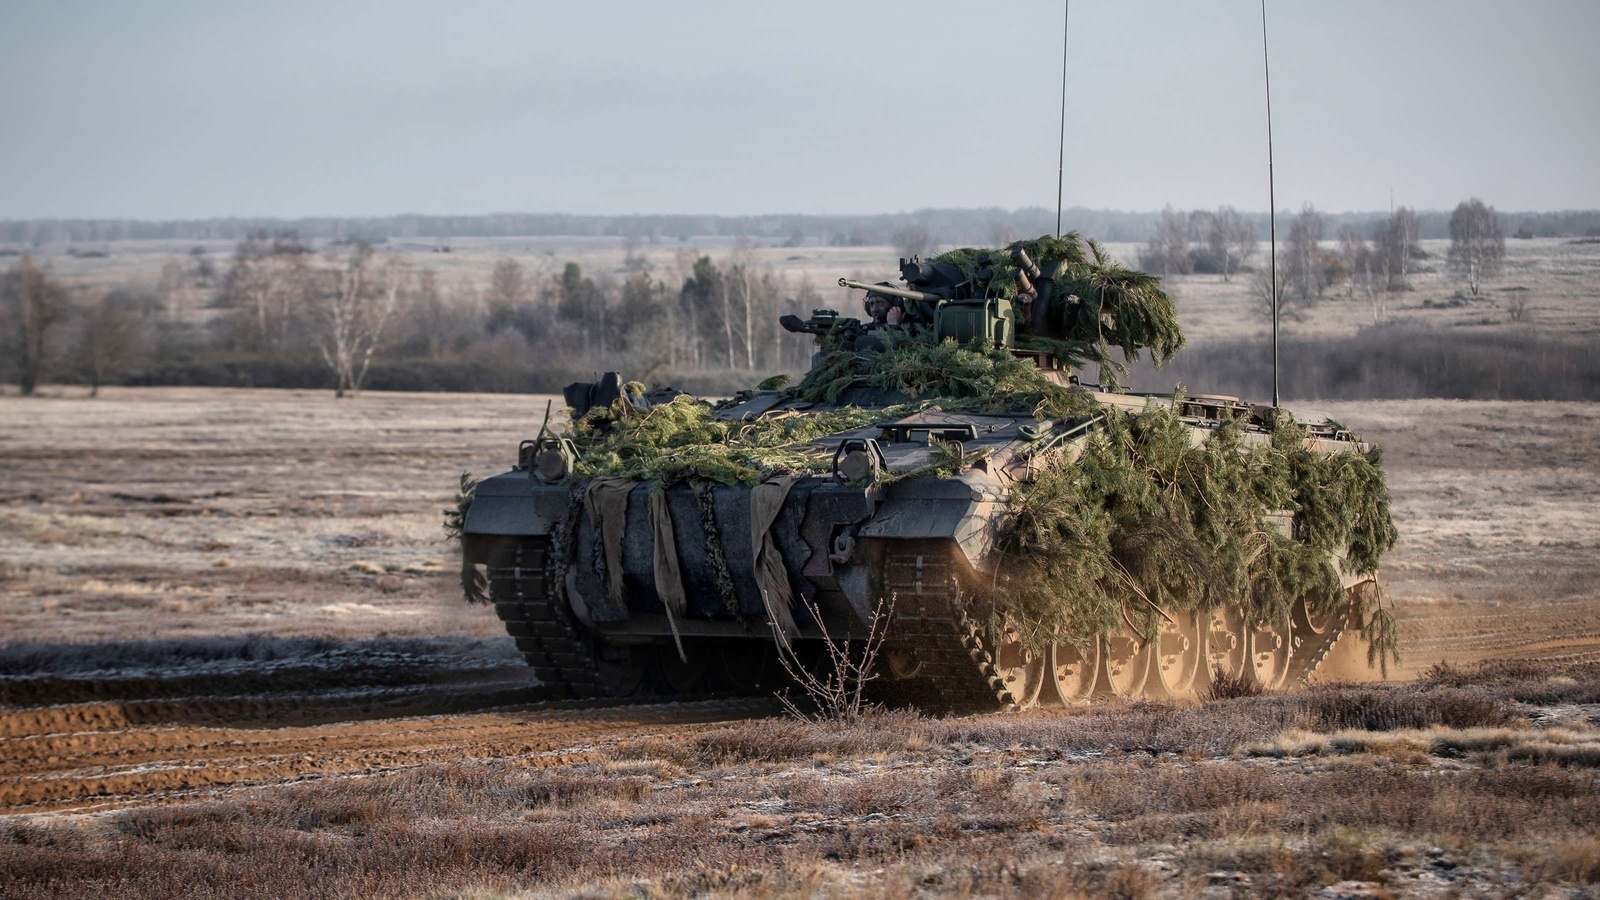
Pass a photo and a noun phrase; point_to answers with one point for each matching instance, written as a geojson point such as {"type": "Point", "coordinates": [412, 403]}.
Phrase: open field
{"type": "Point", "coordinates": [1559, 279]}
{"type": "Point", "coordinates": [208, 596]}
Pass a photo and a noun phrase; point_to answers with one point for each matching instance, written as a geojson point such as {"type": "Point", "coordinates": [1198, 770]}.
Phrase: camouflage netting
{"type": "Point", "coordinates": [455, 517]}
{"type": "Point", "coordinates": [680, 441]}
{"type": "Point", "coordinates": [1143, 519]}
{"type": "Point", "coordinates": [1115, 306]}
{"type": "Point", "coordinates": [984, 378]}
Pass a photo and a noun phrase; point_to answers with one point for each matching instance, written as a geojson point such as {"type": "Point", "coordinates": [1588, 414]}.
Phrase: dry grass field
{"type": "Point", "coordinates": [1557, 278]}
{"type": "Point", "coordinates": [233, 661]}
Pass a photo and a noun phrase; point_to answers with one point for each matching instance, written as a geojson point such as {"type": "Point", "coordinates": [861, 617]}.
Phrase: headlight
{"type": "Point", "coordinates": [858, 462]}
{"type": "Point", "coordinates": [553, 459]}
{"type": "Point", "coordinates": [855, 466]}
{"type": "Point", "coordinates": [551, 465]}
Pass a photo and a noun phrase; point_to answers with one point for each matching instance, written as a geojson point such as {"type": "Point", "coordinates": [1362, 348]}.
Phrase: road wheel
{"type": "Point", "coordinates": [1019, 670]}
{"type": "Point", "coordinates": [1227, 648]}
{"type": "Point", "coordinates": [1127, 663]}
{"type": "Point", "coordinates": [746, 667]}
{"type": "Point", "coordinates": [1179, 650]}
{"type": "Point", "coordinates": [621, 670]}
{"type": "Point", "coordinates": [669, 674]}
{"type": "Point", "coordinates": [1073, 673]}
{"type": "Point", "coordinates": [1270, 646]}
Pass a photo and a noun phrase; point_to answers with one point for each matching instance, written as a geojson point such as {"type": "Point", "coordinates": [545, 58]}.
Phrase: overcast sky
{"type": "Point", "coordinates": [161, 109]}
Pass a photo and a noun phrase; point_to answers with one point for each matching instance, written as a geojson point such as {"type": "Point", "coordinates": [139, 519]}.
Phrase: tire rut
{"type": "Point", "coordinates": [114, 739]}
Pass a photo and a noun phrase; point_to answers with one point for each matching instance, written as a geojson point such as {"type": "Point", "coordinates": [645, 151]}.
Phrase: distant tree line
{"type": "Point", "coordinates": [282, 313]}
{"type": "Point", "coordinates": [944, 226]}
{"type": "Point", "coordinates": [1313, 258]}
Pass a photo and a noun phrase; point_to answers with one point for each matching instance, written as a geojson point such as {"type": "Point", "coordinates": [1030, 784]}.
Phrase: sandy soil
{"type": "Point", "coordinates": [1498, 507]}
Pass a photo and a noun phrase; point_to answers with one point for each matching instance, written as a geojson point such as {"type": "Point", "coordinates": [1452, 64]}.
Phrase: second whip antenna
{"type": "Point", "coordinates": [1061, 144]}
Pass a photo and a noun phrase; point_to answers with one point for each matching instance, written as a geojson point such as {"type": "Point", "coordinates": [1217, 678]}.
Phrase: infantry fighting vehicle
{"type": "Point", "coordinates": [615, 586]}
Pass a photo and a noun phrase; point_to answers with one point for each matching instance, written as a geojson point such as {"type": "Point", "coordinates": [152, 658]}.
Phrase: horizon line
{"type": "Point", "coordinates": [709, 215]}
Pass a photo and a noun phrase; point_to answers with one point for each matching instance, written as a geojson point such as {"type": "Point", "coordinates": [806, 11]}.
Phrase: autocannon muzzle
{"type": "Point", "coordinates": [888, 291]}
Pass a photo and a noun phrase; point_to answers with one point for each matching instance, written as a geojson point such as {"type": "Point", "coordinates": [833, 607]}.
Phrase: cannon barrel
{"type": "Point", "coordinates": [902, 293]}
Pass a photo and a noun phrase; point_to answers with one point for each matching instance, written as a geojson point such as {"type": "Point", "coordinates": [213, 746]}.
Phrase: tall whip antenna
{"type": "Point", "coordinates": [1272, 204]}
{"type": "Point", "coordinates": [1061, 146]}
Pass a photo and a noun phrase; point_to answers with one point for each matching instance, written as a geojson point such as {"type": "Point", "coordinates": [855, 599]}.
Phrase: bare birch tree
{"type": "Point", "coordinates": [739, 283]}
{"type": "Point", "coordinates": [1394, 240]}
{"type": "Point", "coordinates": [1167, 252]}
{"type": "Point", "coordinates": [1218, 233]}
{"type": "Point", "coordinates": [33, 306]}
{"type": "Point", "coordinates": [112, 337]}
{"type": "Point", "coordinates": [1361, 263]}
{"type": "Point", "coordinates": [1242, 239]}
{"type": "Point", "coordinates": [268, 286]}
{"type": "Point", "coordinates": [355, 308]}
{"type": "Point", "coordinates": [1304, 266]}
{"type": "Point", "coordinates": [1477, 248]}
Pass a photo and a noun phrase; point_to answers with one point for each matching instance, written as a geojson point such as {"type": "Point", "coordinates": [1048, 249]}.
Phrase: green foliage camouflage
{"type": "Point", "coordinates": [456, 517]}
{"type": "Point", "coordinates": [680, 441]}
{"type": "Point", "coordinates": [984, 378]}
{"type": "Point", "coordinates": [1139, 520]}
{"type": "Point", "coordinates": [1094, 302]}
{"type": "Point", "coordinates": [1143, 519]}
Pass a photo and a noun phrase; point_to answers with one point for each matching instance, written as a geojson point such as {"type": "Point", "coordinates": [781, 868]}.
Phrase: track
{"type": "Point", "coordinates": [936, 656]}
{"type": "Point", "coordinates": [149, 749]}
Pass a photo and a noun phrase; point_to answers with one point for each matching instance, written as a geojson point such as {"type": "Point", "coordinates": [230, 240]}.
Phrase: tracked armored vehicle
{"type": "Point", "coordinates": [931, 468]}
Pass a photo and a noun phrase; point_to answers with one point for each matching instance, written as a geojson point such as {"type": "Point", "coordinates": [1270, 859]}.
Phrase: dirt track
{"type": "Point", "coordinates": [115, 752]}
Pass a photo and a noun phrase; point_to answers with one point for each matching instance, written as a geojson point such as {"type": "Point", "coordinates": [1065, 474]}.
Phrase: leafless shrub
{"type": "Point", "coordinates": [1518, 307]}
{"type": "Point", "coordinates": [1227, 685]}
{"type": "Point", "coordinates": [912, 240]}
{"type": "Point", "coordinates": [1520, 681]}
{"type": "Point", "coordinates": [838, 693]}
{"type": "Point", "coordinates": [1292, 306]}
{"type": "Point", "coordinates": [1574, 860]}
{"type": "Point", "coordinates": [1386, 709]}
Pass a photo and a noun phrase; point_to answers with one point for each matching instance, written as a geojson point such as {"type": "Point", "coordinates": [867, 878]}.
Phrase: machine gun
{"type": "Point", "coordinates": [826, 324]}
{"type": "Point", "coordinates": [964, 318]}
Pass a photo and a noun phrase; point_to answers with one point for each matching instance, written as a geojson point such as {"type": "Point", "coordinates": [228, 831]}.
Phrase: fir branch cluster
{"type": "Point", "coordinates": [1144, 514]}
